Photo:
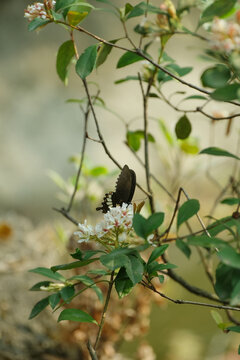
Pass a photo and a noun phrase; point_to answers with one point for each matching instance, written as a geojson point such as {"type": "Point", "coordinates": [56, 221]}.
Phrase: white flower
{"type": "Point", "coordinates": [37, 10]}
{"type": "Point", "coordinates": [85, 232]}
{"type": "Point", "coordinates": [117, 223]}
{"type": "Point", "coordinates": [226, 35]}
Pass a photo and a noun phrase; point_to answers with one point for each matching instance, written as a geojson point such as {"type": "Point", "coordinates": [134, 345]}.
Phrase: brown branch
{"type": "Point", "coordinates": [191, 288]}
{"type": "Point", "coordinates": [66, 215]}
{"type": "Point", "coordinates": [111, 282]}
{"type": "Point", "coordinates": [231, 318]}
{"type": "Point", "coordinates": [101, 137]}
{"type": "Point", "coordinates": [189, 302]}
{"type": "Point", "coordinates": [141, 54]}
{"type": "Point", "coordinates": [145, 132]}
{"type": "Point", "coordinates": [91, 351]}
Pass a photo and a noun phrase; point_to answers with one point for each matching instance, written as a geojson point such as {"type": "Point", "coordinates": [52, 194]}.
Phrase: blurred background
{"type": "Point", "coordinates": [40, 132]}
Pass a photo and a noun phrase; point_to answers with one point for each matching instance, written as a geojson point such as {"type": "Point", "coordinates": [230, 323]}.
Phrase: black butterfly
{"type": "Point", "coordinates": [125, 188]}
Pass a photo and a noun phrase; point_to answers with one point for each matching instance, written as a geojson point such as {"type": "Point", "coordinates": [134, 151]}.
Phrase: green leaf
{"type": "Point", "coordinates": [206, 241]}
{"type": "Point", "coordinates": [157, 252]}
{"type": "Point", "coordinates": [229, 257]}
{"type": "Point", "coordinates": [61, 4]}
{"type": "Point", "coordinates": [54, 299]}
{"type": "Point", "coordinates": [221, 225]}
{"type": "Point", "coordinates": [226, 279]}
{"type": "Point", "coordinates": [37, 286]}
{"type": "Point", "coordinates": [36, 23]}
{"type": "Point", "coordinates": [128, 8]}
{"type": "Point", "coordinates": [77, 255]}
{"type": "Point", "coordinates": [89, 253]}
{"type": "Point", "coordinates": [127, 258]}
{"type": "Point", "coordinates": [218, 8]}
{"type": "Point", "coordinates": [231, 201]}
{"type": "Point", "coordinates": [67, 293]}
{"type": "Point", "coordinates": [76, 315]}
{"type": "Point", "coordinates": [114, 260]}
{"type": "Point", "coordinates": [134, 269]}
{"type": "Point", "coordinates": [166, 132]}
{"type": "Point", "coordinates": [64, 58]}
{"type": "Point", "coordinates": [183, 128]}
{"type": "Point", "coordinates": [187, 210]}
{"type": "Point", "coordinates": [234, 328]}
{"type": "Point", "coordinates": [127, 78]}
{"type": "Point", "coordinates": [98, 272]}
{"type": "Point", "coordinates": [218, 152]}
{"type": "Point", "coordinates": [144, 227]}
{"type": "Point", "coordinates": [86, 62]}
{"type": "Point", "coordinates": [123, 284]}
{"type": "Point", "coordinates": [134, 139]}
{"type": "Point", "coordinates": [216, 317]}
{"type": "Point", "coordinates": [103, 53]}
{"type": "Point", "coordinates": [38, 307]}
{"type": "Point", "coordinates": [73, 265]}
{"type": "Point", "coordinates": [75, 17]}
{"type": "Point", "coordinates": [154, 266]}
{"type": "Point", "coordinates": [181, 245]}
{"type": "Point", "coordinates": [235, 295]}
{"type": "Point", "coordinates": [48, 273]}
{"type": "Point", "coordinates": [195, 97]}
{"type": "Point", "coordinates": [181, 71]}
{"type": "Point", "coordinates": [143, 7]}
{"type": "Point", "coordinates": [216, 76]}
{"type": "Point", "coordinates": [127, 59]}
{"type": "Point", "coordinates": [189, 146]}
{"type": "Point", "coordinates": [86, 280]}
{"type": "Point", "coordinates": [175, 69]}
{"type": "Point", "coordinates": [226, 93]}
{"type": "Point", "coordinates": [161, 279]}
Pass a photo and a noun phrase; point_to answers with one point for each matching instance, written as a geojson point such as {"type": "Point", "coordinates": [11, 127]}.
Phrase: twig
{"type": "Point", "coordinates": [189, 302]}
{"type": "Point", "coordinates": [140, 53]}
{"type": "Point", "coordinates": [111, 282]}
{"type": "Point", "coordinates": [91, 351]}
{"type": "Point", "coordinates": [145, 132]}
{"type": "Point", "coordinates": [66, 215]}
{"type": "Point", "coordinates": [101, 137]}
{"type": "Point", "coordinates": [231, 318]}
{"type": "Point", "coordinates": [191, 288]}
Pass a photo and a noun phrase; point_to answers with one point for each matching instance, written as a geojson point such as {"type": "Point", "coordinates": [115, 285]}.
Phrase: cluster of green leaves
{"type": "Point", "coordinates": [127, 264]}
{"type": "Point", "coordinates": [223, 77]}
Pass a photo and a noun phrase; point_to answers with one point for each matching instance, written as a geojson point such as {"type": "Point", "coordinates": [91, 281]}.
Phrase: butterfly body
{"type": "Point", "coordinates": [124, 191]}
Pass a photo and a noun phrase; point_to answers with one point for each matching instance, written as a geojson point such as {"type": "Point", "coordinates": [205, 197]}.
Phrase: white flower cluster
{"type": "Point", "coordinates": [37, 10]}
{"type": "Point", "coordinates": [226, 35]}
{"type": "Point", "coordinates": [117, 223]}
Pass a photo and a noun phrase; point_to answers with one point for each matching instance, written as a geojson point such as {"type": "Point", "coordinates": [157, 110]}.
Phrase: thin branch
{"type": "Point", "coordinates": [66, 215]}
{"type": "Point", "coordinates": [101, 137]}
{"type": "Point", "coordinates": [191, 288]}
{"type": "Point", "coordinates": [145, 132]}
{"type": "Point", "coordinates": [198, 109]}
{"type": "Point", "coordinates": [189, 302]}
{"type": "Point", "coordinates": [91, 351]}
{"type": "Point", "coordinates": [231, 318]}
{"type": "Point", "coordinates": [127, 35]}
{"type": "Point", "coordinates": [111, 282]}
{"type": "Point", "coordinates": [140, 53]}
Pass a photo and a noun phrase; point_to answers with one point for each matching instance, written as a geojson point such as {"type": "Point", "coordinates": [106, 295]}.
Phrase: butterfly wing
{"type": "Point", "coordinates": [124, 191]}
{"type": "Point", "coordinates": [125, 187]}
